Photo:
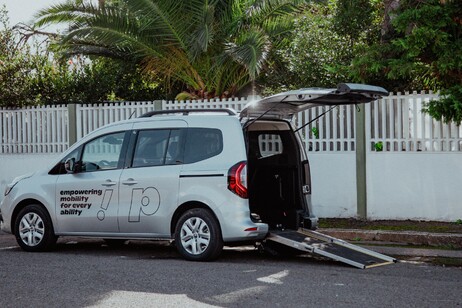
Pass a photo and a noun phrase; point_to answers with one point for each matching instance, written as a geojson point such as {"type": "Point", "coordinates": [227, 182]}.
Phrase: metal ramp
{"type": "Point", "coordinates": [330, 247]}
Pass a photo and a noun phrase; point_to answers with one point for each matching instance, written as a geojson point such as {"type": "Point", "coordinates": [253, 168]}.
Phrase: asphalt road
{"type": "Point", "coordinates": [88, 273]}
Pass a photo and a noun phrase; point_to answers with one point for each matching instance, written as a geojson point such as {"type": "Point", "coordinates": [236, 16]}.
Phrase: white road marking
{"type": "Point", "coordinates": [8, 248]}
{"type": "Point", "coordinates": [126, 299]}
{"type": "Point", "coordinates": [237, 296]}
{"type": "Point", "coordinates": [275, 278]}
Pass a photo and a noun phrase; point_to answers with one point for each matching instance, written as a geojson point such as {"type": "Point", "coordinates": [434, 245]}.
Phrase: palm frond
{"type": "Point", "coordinates": [250, 49]}
{"type": "Point", "coordinates": [214, 47]}
{"type": "Point", "coordinates": [68, 12]}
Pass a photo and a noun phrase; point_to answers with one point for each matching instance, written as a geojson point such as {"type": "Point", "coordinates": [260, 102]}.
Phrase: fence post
{"type": "Point", "coordinates": [72, 117]}
{"type": "Point", "coordinates": [157, 105]}
{"type": "Point", "coordinates": [361, 189]}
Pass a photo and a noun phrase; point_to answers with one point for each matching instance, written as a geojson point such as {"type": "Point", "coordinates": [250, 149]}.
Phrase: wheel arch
{"type": "Point", "coordinates": [188, 206]}
{"type": "Point", "coordinates": [22, 205]}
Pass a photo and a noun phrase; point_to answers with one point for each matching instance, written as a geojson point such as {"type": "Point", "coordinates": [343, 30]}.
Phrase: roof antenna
{"type": "Point", "coordinates": [134, 111]}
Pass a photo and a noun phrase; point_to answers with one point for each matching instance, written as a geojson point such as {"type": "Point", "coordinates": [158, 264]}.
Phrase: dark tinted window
{"type": "Point", "coordinates": [174, 154]}
{"type": "Point", "coordinates": [202, 143]}
{"type": "Point", "coordinates": [151, 148]}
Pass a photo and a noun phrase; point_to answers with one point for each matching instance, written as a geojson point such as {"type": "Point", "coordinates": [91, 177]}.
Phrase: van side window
{"type": "Point", "coordinates": [102, 153]}
{"type": "Point", "coordinates": [202, 143]}
{"type": "Point", "coordinates": [151, 148]}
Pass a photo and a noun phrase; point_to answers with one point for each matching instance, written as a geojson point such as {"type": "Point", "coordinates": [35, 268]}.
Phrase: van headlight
{"type": "Point", "coordinates": [10, 186]}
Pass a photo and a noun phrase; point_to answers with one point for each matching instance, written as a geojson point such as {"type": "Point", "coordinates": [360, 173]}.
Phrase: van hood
{"type": "Point", "coordinates": [286, 104]}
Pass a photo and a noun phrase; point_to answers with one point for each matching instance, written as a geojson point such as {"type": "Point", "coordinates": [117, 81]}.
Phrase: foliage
{"type": "Point", "coordinates": [429, 40]}
{"type": "Point", "coordinates": [99, 80]}
{"type": "Point", "coordinates": [352, 18]}
{"type": "Point", "coordinates": [315, 132]}
{"type": "Point", "coordinates": [214, 48]}
{"type": "Point", "coordinates": [321, 47]}
{"type": "Point", "coordinates": [431, 44]}
{"type": "Point", "coordinates": [378, 146]}
{"type": "Point", "coordinates": [16, 64]}
{"type": "Point", "coordinates": [449, 107]}
{"type": "Point", "coordinates": [423, 50]}
{"type": "Point", "coordinates": [31, 75]}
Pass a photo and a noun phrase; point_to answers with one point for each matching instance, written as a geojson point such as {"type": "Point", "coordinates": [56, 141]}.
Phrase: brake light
{"type": "Point", "coordinates": [237, 179]}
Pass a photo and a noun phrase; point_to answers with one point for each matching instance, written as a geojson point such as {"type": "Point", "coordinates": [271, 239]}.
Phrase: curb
{"type": "Point", "coordinates": [450, 240]}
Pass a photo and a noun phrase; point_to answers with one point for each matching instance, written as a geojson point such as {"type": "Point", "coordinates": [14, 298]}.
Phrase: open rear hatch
{"type": "Point", "coordinates": [279, 178]}
{"type": "Point", "coordinates": [286, 104]}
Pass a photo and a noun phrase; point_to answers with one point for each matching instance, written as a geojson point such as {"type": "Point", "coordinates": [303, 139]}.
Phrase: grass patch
{"type": "Point", "coordinates": [391, 225]}
{"type": "Point", "coordinates": [447, 261]}
{"type": "Point", "coordinates": [416, 227]}
{"type": "Point", "coordinates": [441, 247]}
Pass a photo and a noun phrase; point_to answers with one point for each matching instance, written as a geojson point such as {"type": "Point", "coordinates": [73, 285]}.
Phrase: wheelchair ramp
{"type": "Point", "coordinates": [329, 247]}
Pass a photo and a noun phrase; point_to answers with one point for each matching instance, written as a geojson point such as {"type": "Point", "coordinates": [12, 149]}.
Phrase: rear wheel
{"type": "Point", "coordinates": [34, 230]}
{"type": "Point", "coordinates": [198, 235]}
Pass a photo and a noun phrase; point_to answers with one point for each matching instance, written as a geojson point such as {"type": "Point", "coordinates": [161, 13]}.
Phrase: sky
{"type": "Point", "coordinates": [24, 10]}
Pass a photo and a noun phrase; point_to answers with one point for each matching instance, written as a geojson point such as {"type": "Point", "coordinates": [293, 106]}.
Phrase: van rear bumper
{"type": "Point", "coordinates": [250, 232]}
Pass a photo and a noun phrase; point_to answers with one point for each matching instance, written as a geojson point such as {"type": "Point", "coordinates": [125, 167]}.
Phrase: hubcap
{"type": "Point", "coordinates": [195, 236]}
{"type": "Point", "coordinates": [31, 229]}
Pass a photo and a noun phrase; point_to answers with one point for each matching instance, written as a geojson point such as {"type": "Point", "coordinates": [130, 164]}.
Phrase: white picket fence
{"type": "Point", "coordinates": [416, 175]}
{"type": "Point", "coordinates": [396, 122]}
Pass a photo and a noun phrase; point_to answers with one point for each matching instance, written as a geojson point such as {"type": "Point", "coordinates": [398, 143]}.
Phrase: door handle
{"type": "Point", "coordinates": [129, 181]}
{"type": "Point", "coordinates": [109, 183]}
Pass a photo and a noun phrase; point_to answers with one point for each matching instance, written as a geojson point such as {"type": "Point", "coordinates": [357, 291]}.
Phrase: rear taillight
{"type": "Point", "coordinates": [237, 179]}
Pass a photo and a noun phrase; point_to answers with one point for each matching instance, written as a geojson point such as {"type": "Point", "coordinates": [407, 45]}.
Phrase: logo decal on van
{"type": "Point", "coordinates": [73, 202]}
{"type": "Point", "coordinates": [104, 204]}
{"type": "Point", "coordinates": [146, 201]}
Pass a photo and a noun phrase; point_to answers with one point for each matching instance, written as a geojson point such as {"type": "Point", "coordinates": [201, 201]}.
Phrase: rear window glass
{"type": "Point", "coordinates": [270, 144]}
{"type": "Point", "coordinates": [202, 143]}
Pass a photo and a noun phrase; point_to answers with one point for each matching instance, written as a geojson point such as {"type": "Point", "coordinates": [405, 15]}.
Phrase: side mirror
{"type": "Point", "coordinates": [69, 165]}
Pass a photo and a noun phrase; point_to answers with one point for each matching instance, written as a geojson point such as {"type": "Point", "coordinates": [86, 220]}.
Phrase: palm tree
{"type": "Point", "coordinates": [212, 47]}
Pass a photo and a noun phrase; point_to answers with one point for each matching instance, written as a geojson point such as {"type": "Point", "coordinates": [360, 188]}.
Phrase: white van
{"type": "Point", "coordinates": [203, 178]}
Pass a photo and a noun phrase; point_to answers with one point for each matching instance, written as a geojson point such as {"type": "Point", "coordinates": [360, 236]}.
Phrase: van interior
{"type": "Point", "coordinates": [276, 175]}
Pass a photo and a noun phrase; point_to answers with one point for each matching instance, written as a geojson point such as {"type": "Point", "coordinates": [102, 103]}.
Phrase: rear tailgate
{"type": "Point", "coordinates": [286, 104]}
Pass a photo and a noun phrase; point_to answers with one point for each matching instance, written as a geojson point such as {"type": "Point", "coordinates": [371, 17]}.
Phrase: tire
{"type": "Point", "coordinates": [34, 230]}
{"type": "Point", "coordinates": [198, 236]}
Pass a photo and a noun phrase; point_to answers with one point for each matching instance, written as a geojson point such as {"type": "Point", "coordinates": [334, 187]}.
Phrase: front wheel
{"type": "Point", "coordinates": [34, 230]}
{"type": "Point", "coordinates": [198, 235]}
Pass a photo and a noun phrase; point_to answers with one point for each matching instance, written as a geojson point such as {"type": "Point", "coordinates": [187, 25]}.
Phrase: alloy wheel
{"type": "Point", "coordinates": [31, 229]}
